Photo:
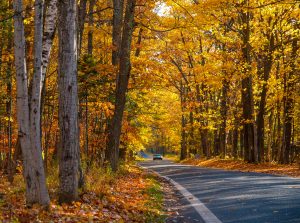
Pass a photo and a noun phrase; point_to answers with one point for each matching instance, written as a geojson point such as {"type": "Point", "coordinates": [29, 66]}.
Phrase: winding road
{"type": "Point", "coordinates": [215, 195]}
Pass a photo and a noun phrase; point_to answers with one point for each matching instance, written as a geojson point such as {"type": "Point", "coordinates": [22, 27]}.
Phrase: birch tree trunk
{"type": "Point", "coordinates": [49, 33]}
{"type": "Point", "coordinates": [68, 101]}
{"type": "Point", "coordinates": [36, 191]}
{"type": "Point", "coordinates": [48, 36]}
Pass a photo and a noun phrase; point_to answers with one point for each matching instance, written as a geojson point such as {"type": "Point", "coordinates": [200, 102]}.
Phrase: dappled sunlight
{"type": "Point", "coordinates": [203, 94]}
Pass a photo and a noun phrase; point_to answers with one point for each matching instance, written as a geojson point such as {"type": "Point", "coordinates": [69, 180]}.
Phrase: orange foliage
{"type": "Point", "coordinates": [118, 200]}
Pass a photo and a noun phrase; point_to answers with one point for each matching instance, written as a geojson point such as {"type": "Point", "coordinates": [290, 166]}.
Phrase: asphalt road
{"type": "Point", "coordinates": [234, 196]}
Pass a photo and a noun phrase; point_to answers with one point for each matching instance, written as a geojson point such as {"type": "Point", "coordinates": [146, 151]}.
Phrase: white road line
{"type": "Point", "coordinates": [202, 210]}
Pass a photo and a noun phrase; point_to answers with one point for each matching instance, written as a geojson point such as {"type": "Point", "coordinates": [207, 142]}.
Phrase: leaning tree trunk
{"type": "Point", "coordinates": [117, 30]}
{"type": "Point", "coordinates": [68, 101]}
{"type": "Point", "coordinates": [122, 85]}
{"type": "Point", "coordinates": [118, 6]}
{"type": "Point", "coordinates": [36, 190]}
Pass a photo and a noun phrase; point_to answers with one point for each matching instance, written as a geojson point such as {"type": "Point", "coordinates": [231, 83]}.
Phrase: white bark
{"type": "Point", "coordinates": [35, 104]}
{"type": "Point", "coordinates": [36, 191]}
{"type": "Point", "coordinates": [21, 73]}
{"type": "Point", "coordinates": [49, 32]}
{"type": "Point", "coordinates": [68, 101]}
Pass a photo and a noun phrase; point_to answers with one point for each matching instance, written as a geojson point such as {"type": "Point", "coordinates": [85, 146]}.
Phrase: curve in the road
{"type": "Point", "coordinates": [233, 196]}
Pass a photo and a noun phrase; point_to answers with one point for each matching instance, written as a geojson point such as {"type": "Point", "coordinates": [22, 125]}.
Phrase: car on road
{"type": "Point", "coordinates": [157, 157]}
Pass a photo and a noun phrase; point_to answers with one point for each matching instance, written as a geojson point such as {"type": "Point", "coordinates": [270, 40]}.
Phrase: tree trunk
{"type": "Point", "coordinates": [192, 148]}
{"type": "Point", "coordinates": [277, 121]}
{"type": "Point", "coordinates": [270, 137]}
{"type": "Point", "coordinates": [48, 36]}
{"type": "Point", "coordinates": [90, 53]}
{"type": "Point", "coordinates": [138, 43]}
{"type": "Point", "coordinates": [260, 122]}
{"type": "Point", "coordinates": [86, 143]}
{"type": "Point", "coordinates": [122, 85]}
{"type": "Point", "coordinates": [81, 21]}
{"type": "Point", "coordinates": [11, 166]}
{"type": "Point", "coordinates": [36, 191]}
{"type": "Point", "coordinates": [250, 147]}
{"type": "Point", "coordinates": [91, 24]}
{"type": "Point", "coordinates": [35, 99]}
{"type": "Point", "coordinates": [118, 6]}
{"type": "Point", "coordinates": [235, 142]}
{"type": "Point", "coordinates": [242, 150]}
{"type": "Point", "coordinates": [117, 30]}
{"type": "Point", "coordinates": [49, 33]}
{"type": "Point", "coordinates": [278, 133]}
{"type": "Point", "coordinates": [202, 130]}
{"type": "Point", "coordinates": [68, 102]}
{"type": "Point", "coordinates": [183, 149]}
{"type": "Point", "coordinates": [223, 118]}
{"type": "Point", "coordinates": [216, 147]}
{"type": "Point", "coordinates": [288, 104]}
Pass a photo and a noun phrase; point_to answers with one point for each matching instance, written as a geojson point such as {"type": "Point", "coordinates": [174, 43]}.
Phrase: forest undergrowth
{"type": "Point", "coordinates": [130, 195]}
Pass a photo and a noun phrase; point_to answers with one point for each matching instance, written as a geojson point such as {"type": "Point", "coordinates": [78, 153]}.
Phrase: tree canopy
{"type": "Point", "coordinates": [204, 78]}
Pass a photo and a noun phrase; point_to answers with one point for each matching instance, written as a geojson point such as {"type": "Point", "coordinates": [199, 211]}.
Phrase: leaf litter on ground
{"type": "Point", "coordinates": [120, 198]}
{"type": "Point", "coordinates": [292, 170]}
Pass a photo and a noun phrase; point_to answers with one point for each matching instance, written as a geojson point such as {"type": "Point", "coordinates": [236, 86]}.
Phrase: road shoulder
{"type": "Point", "coordinates": [178, 208]}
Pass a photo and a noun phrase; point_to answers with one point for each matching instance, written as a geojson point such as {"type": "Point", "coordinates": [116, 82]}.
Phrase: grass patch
{"type": "Point", "coordinates": [155, 202]}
